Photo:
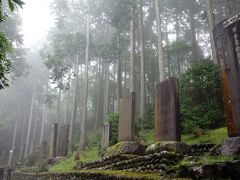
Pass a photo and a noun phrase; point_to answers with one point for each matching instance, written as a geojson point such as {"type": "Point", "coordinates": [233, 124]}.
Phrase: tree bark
{"type": "Point", "coordinates": [43, 117]}
{"type": "Point", "coordinates": [85, 97]}
{"type": "Point", "coordinates": [59, 105]}
{"type": "Point", "coordinates": [73, 120]}
{"type": "Point", "coordinates": [195, 55]}
{"type": "Point", "coordinates": [142, 96]}
{"type": "Point", "coordinates": [228, 7]}
{"type": "Point", "coordinates": [160, 45]}
{"type": "Point", "coordinates": [106, 93]}
{"type": "Point", "coordinates": [211, 26]}
{"type": "Point", "coordinates": [119, 73]}
{"type": "Point", "coordinates": [30, 123]}
{"type": "Point", "coordinates": [22, 137]}
{"type": "Point", "coordinates": [32, 145]}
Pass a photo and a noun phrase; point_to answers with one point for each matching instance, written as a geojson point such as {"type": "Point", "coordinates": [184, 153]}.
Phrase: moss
{"type": "Point", "coordinates": [67, 164]}
{"type": "Point", "coordinates": [115, 149]}
{"type": "Point", "coordinates": [215, 136]}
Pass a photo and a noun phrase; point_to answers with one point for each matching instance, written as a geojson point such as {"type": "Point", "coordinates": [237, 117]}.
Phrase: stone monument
{"type": "Point", "coordinates": [167, 110]}
{"type": "Point", "coordinates": [63, 140]}
{"type": "Point", "coordinates": [106, 134]}
{"type": "Point", "coordinates": [53, 141]}
{"type": "Point", "coordinates": [227, 42]}
{"type": "Point", "coordinates": [126, 122]}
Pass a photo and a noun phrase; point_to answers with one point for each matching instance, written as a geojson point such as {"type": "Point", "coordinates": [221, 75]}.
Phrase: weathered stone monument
{"type": "Point", "coordinates": [53, 141]}
{"type": "Point", "coordinates": [167, 110]}
{"type": "Point", "coordinates": [106, 134]}
{"type": "Point", "coordinates": [44, 151]}
{"type": "Point", "coordinates": [63, 140]}
{"type": "Point", "coordinates": [227, 42]}
{"type": "Point", "coordinates": [126, 122]}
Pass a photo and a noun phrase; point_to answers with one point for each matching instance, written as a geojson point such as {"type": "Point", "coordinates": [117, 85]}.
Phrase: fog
{"type": "Point", "coordinates": [72, 61]}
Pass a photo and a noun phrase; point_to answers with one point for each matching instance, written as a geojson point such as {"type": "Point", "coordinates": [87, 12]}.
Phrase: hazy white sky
{"type": "Point", "coordinates": [36, 21]}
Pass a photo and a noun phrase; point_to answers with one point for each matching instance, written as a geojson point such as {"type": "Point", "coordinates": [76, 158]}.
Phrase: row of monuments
{"type": "Point", "coordinates": [167, 107]}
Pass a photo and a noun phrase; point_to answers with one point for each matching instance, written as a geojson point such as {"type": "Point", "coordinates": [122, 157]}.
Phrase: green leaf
{"type": "Point", "coordinates": [19, 2]}
{"type": "Point", "coordinates": [11, 5]}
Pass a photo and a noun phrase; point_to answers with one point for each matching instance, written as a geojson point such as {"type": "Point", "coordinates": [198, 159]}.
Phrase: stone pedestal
{"type": "Point", "coordinates": [126, 119]}
{"type": "Point", "coordinates": [167, 110]}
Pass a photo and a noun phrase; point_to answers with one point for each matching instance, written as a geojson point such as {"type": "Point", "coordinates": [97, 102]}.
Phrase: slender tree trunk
{"type": "Point", "coordinates": [119, 73]}
{"type": "Point", "coordinates": [32, 145]}
{"type": "Point", "coordinates": [160, 45]}
{"type": "Point", "coordinates": [106, 93]}
{"type": "Point", "coordinates": [59, 105]}
{"type": "Point", "coordinates": [67, 115]}
{"type": "Point", "coordinates": [43, 117]}
{"type": "Point", "coordinates": [73, 120]}
{"type": "Point", "coordinates": [195, 55]}
{"type": "Point", "coordinates": [211, 26]}
{"type": "Point", "coordinates": [228, 7]}
{"type": "Point", "coordinates": [23, 137]}
{"type": "Point", "coordinates": [98, 94]}
{"type": "Point", "coordinates": [132, 60]}
{"type": "Point", "coordinates": [30, 124]}
{"type": "Point", "coordinates": [177, 39]}
{"type": "Point", "coordinates": [142, 97]}
{"type": "Point", "coordinates": [85, 97]}
{"type": "Point", "coordinates": [12, 151]}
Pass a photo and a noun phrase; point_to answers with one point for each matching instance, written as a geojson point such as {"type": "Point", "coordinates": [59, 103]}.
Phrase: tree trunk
{"type": "Point", "coordinates": [43, 117]}
{"type": "Point", "coordinates": [177, 40]}
{"type": "Point", "coordinates": [160, 45]}
{"type": "Point", "coordinates": [12, 151]}
{"type": "Point", "coordinates": [195, 55]}
{"type": "Point", "coordinates": [142, 96]}
{"type": "Point", "coordinates": [98, 95]}
{"type": "Point", "coordinates": [85, 97]}
{"type": "Point", "coordinates": [106, 93]}
{"type": "Point", "coordinates": [73, 120]}
{"type": "Point", "coordinates": [32, 146]}
{"type": "Point", "coordinates": [119, 73]}
{"type": "Point", "coordinates": [67, 115]}
{"type": "Point", "coordinates": [228, 7]}
{"type": "Point", "coordinates": [22, 137]}
{"type": "Point", "coordinates": [30, 123]}
{"type": "Point", "coordinates": [59, 105]}
{"type": "Point", "coordinates": [211, 26]}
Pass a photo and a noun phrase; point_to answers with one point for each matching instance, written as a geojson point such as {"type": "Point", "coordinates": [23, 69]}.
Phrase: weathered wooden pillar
{"type": "Point", "coordinates": [64, 140]}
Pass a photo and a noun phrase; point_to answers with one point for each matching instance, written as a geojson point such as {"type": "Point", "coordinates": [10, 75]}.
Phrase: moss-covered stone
{"type": "Point", "coordinates": [126, 148]}
{"type": "Point", "coordinates": [170, 146]}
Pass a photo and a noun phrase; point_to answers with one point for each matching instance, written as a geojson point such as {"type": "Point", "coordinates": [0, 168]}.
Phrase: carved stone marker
{"type": "Point", "coordinates": [63, 140]}
{"type": "Point", "coordinates": [53, 140]}
{"type": "Point", "coordinates": [167, 110]}
{"type": "Point", "coordinates": [106, 134]}
{"type": "Point", "coordinates": [227, 42]}
{"type": "Point", "coordinates": [126, 122]}
{"type": "Point", "coordinates": [44, 150]}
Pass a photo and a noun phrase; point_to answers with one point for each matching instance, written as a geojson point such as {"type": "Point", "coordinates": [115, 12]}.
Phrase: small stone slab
{"type": "Point", "coordinates": [230, 146]}
{"type": "Point", "coordinates": [106, 136]}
